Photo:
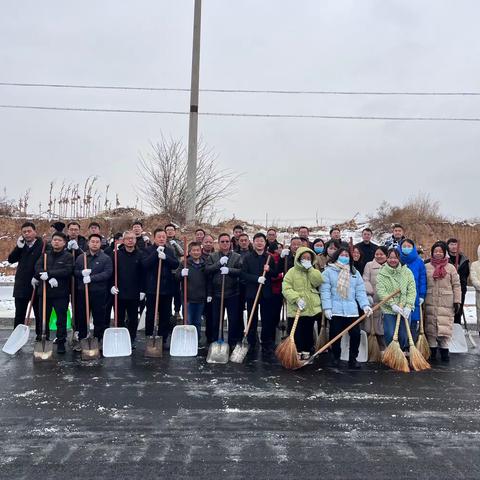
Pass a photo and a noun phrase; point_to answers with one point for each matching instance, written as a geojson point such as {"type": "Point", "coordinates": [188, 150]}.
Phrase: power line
{"type": "Point", "coordinates": [232, 90]}
{"type": "Point", "coordinates": [251, 115]}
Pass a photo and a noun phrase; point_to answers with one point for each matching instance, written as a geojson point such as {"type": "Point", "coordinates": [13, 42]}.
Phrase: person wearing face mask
{"type": "Point", "coordinates": [299, 289]}
{"type": "Point", "coordinates": [342, 292]}
{"type": "Point", "coordinates": [444, 296]}
{"type": "Point", "coordinates": [370, 279]}
{"type": "Point", "coordinates": [319, 249]}
{"type": "Point", "coordinates": [410, 257]}
{"type": "Point", "coordinates": [391, 277]}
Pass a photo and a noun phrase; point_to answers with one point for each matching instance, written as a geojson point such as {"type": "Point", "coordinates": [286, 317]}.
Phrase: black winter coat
{"type": "Point", "coordinates": [59, 267]}
{"type": "Point", "coordinates": [150, 268]}
{"type": "Point", "coordinates": [463, 270]}
{"type": "Point", "coordinates": [130, 273]}
{"type": "Point", "coordinates": [26, 258]}
{"type": "Point", "coordinates": [367, 250]}
{"type": "Point", "coordinates": [215, 277]}
{"type": "Point", "coordinates": [252, 268]}
{"type": "Point", "coordinates": [101, 274]}
{"type": "Point", "coordinates": [196, 281]}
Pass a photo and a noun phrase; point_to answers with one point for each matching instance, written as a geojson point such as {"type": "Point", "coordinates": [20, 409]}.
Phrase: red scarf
{"type": "Point", "coordinates": [439, 264]}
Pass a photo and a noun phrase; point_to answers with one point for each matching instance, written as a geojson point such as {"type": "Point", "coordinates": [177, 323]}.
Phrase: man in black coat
{"type": "Point", "coordinates": [366, 246]}
{"type": "Point", "coordinates": [97, 275]}
{"type": "Point", "coordinates": [26, 253]}
{"type": "Point", "coordinates": [224, 265]}
{"type": "Point", "coordinates": [150, 263]}
{"type": "Point", "coordinates": [55, 281]}
{"type": "Point", "coordinates": [463, 272]}
{"type": "Point", "coordinates": [253, 266]}
{"type": "Point", "coordinates": [75, 241]}
{"type": "Point", "coordinates": [142, 240]}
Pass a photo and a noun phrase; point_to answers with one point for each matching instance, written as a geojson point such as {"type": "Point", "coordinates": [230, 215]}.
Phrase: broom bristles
{"type": "Point", "coordinates": [395, 358]}
{"type": "Point", "coordinates": [374, 354]}
{"type": "Point", "coordinates": [423, 347]}
{"type": "Point", "coordinates": [417, 361]}
{"type": "Point", "coordinates": [286, 353]}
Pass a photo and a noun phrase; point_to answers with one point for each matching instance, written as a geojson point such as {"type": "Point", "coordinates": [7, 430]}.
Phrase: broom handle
{"type": "Point", "coordinates": [457, 256]}
{"type": "Point", "coordinates": [157, 297]}
{"type": "Point", "coordinates": [72, 294]}
{"type": "Point", "coordinates": [422, 329]}
{"type": "Point", "coordinates": [222, 313]}
{"type": "Point", "coordinates": [87, 300]}
{"type": "Point", "coordinates": [185, 284]}
{"type": "Point", "coordinates": [32, 298]}
{"type": "Point", "coordinates": [356, 322]}
{"type": "Point", "coordinates": [44, 299]}
{"type": "Point", "coordinates": [295, 323]}
{"type": "Point", "coordinates": [397, 328]}
{"type": "Point", "coordinates": [255, 302]}
{"type": "Point", "coordinates": [409, 332]}
{"type": "Point", "coordinates": [115, 297]}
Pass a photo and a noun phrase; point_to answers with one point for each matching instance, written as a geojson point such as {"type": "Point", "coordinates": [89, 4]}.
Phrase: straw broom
{"type": "Point", "coordinates": [417, 362]}
{"type": "Point", "coordinates": [422, 343]}
{"type": "Point", "coordinates": [393, 355]}
{"type": "Point", "coordinates": [374, 354]}
{"type": "Point", "coordinates": [322, 338]}
{"type": "Point", "coordinates": [286, 352]}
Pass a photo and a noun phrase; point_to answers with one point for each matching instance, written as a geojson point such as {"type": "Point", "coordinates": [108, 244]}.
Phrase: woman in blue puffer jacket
{"type": "Point", "coordinates": [342, 288]}
{"type": "Point", "coordinates": [409, 256]}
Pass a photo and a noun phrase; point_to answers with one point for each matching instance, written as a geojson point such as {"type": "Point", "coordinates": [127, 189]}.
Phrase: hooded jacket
{"type": "Point", "coordinates": [390, 279]}
{"type": "Point", "coordinates": [300, 283]}
{"type": "Point", "coordinates": [475, 272]}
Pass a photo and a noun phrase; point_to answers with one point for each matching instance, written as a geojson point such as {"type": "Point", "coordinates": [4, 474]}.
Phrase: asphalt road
{"type": "Point", "coordinates": [137, 418]}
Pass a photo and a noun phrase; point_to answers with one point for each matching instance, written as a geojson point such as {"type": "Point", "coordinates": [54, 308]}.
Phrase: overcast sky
{"type": "Point", "coordinates": [291, 168]}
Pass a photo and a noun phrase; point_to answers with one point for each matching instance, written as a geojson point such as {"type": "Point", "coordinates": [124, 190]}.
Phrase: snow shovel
{"type": "Point", "coordinates": [362, 349]}
{"type": "Point", "coordinates": [43, 349]}
{"type": "Point", "coordinates": [89, 345]}
{"type": "Point", "coordinates": [154, 345]}
{"type": "Point", "coordinates": [116, 341]}
{"type": "Point", "coordinates": [219, 351]}
{"type": "Point", "coordinates": [473, 343]}
{"type": "Point", "coordinates": [184, 342]}
{"type": "Point", "coordinates": [241, 349]}
{"type": "Point", "coordinates": [458, 342]}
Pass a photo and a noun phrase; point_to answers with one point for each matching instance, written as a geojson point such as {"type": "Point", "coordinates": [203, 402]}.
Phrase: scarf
{"type": "Point", "coordinates": [440, 270]}
{"type": "Point", "coordinates": [343, 282]}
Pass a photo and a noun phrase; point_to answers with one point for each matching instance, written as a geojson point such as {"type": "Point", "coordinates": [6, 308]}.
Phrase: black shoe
{"type": "Point", "coordinates": [354, 365]}
{"type": "Point", "coordinates": [335, 362]}
{"type": "Point", "coordinates": [38, 338]}
{"type": "Point", "coordinates": [444, 355]}
{"type": "Point", "coordinates": [133, 345]}
{"type": "Point", "coordinates": [61, 347]}
{"type": "Point", "coordinates": [433, 353]}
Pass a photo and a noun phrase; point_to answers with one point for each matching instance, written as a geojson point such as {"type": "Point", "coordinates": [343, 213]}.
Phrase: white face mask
{"type": "Point", "coordinates": [306, 264]}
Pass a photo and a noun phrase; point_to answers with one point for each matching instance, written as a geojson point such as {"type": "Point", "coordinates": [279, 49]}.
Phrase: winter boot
{"type": "Point", "coordinates": [353, 364]}
{"type": "Point", "coordinates": [60, 347]}
{"type": "Point", "coordinates": [433, 353]}
{"type": "Point", "coordinates": [444, 355]}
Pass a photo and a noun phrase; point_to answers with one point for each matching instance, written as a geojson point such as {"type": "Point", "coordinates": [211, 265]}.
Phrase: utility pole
{"type": "Point", "coordinates": [193, 119]}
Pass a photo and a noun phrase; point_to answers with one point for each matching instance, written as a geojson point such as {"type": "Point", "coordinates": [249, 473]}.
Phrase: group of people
{"type": "Point", "coordinates": [323, 279]}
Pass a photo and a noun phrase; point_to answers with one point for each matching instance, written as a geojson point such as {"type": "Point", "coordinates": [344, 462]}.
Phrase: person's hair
{"type": "Point", "coordinates": [318, 240]}
{"type": "Point", "coordinates": [73, 223]}
{"type": "Point", "coordinates": [194, 244]}
{"type": "Point", "coordinates": [393, 250]}
{"type": "Point", "coordinates": [210, 235]}
{"type": "Point", "coordinates": [129, 232]}
{"type": "Point", "coordinates": [313, 257]}
{"type": "Point", "coordinates": [243, 235]}
{"type": "Point", "coordinates": [407, 240]}
{"type": "Point", "coordinates": [294, 238]}
{"type": "Point", "coordinates": [397, 225]}
{"type": "Point", "coordinates": [61, 235]}
{"type": "Point", "coordinates": [169, 225]}
{"type": "Point", "coordinates": [94, 235]}
{"type": "Point", "coordinates": [201, 230]}
{"type": "Point", "coordinates": [305, 239]}
{"type": "Point", "coordinates": [271, 229]}
{"type": "Point", "coordinates": [158, 229]}
{"type": "Point", "coordinates": [451, 240]}
{"type": "Point", "coordinates": [336, 243]}
{"type": "Point", "coordinates": [333, 229]}
{"type": "Point", "coordinates": [117, 236]}
{"type": "Point", "coordinates": [260, 235]}
{"type": "Point", "coordinates": [354, 247]}
{"type": "Point", "coordinates": [237, 227]}
{"type": "Point", "coordinates": [93, 224]}
{"type": "Point", "coordinates": [383, 249]}
{"type": "Point", "coordinates": [440, 244]}
{"type": "Point", "coordinates": [303, 226]}
{"type": "Point", "coordinates": [28, 224]}
{"type": "Point", "coordinates": [340, 251]}
{"type": "Point", "coordinates": [223, 235]}
{"type": "Point", "coordinates": [137, 222]}
{"type": "Point", "coordinates": [366, 229]}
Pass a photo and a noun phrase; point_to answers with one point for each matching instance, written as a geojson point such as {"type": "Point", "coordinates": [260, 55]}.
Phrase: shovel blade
{"type": "Point", "coordinates": [218, 352]}
{"type": "Point", "coordinates": [154, 347]}
{"type": "Point", "coordinates": [17, 339]}
{"type": "Point", "coordinates": [239, 352]}
{"type": "Point", "coordinates": [362, 349]}
{"type": "Point", "coordinates": [116, 342]}
{"type": "Point", "coordinates": [184, 342]}
{"type": "Point", "coordinates": [90, 350]}
{"type": "Point", "coordinates": [458, 342]}
{"type": "Point", "coordinates": [43, 350]}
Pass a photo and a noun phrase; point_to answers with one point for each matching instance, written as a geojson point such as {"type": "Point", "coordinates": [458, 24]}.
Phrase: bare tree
{"type": "Point", "coordinates": [163, 174]}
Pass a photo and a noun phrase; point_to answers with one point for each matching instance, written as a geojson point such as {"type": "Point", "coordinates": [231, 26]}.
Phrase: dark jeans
{"type": "Point", "coordinates": [164, 312]}
{"type": "Point", "coordinates": [242, 303]}
{"type": "Point", "coordinates": [269, 322]}
{"type": "Point", "coordinates": [304, 332]}
{"type": "Point", "coordinates": [389, 323]}
{"type": "Point", "coordinates": [195, 311]}
{"type": "Point", "coordinates": [129, 307]}
{"type": "Point", "coordinates": [337, 324]}
{"type": "Point", "coordinates": [97, 302]}
{"type": "Point", "coordinates": [208, 314]}
{"type": "Point", "coordinates": [21, 307]}
{"type": "Point", "coordinates": [61, 306]}
{"type": "Point", "coordinates": [235, 327]}
{"type": "Point", "coordinates": [177, 296]}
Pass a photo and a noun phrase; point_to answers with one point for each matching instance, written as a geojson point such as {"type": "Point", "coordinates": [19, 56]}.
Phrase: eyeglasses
{"type": "Point", "coordinates": [224, 241]}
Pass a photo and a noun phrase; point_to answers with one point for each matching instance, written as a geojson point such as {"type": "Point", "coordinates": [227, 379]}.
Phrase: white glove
{"type": "Point", "coordinates": [161, 254]}
{"type": "Point", "coordinates": [160, 249]}
{"type": "Point", "coordinates": [261, 280]}
{"type": "Point", "coordinates": [284, 253]}
{"type": "Point", "coordinates": [142, 296]}
{"type": "Point", "coordinates": [72, 245]}
{"type": "Point", "coordinates": [173, 242]}
{"type": "Point", "coordinates": [209, 299]}
{"type": "Point", "coordinates": [34, 282]}
{"type": "Point", "coordinates": [224, 270]}
{"type": "Point", "coordinates": [370, 299]}
{"type": "Point", "coordinates": [114, 290]}
{"type": "Point", "coordinates": [397, 309]}
{"type": "Point", "coordinates": [53, 282]}
{"type": "Point", "coordinates": [328, 314]}
{"type": "Point", "coordinates": [44, 276]}
{"type": "Point", "coordinates": [420, 301]}
{"type": "Point", "coordinates": [86, 272]}
{"type": "Point", "coordinates": [368, 311]}
{"type": "Point", "coordinates": [20, 242]}
{"type": "Point", "coordinates": [406, 312]}
{"type": "Point", "coordinates": [87, 279]}
{"type": "Point", "coordinates": [223, 260]}
{"type": "Point", "coordinates": [184, 272]}
{"type": "Point", "coordinates": [301, 303]}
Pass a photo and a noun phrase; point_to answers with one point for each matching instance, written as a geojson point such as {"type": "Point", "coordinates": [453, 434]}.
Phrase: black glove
{"type": "Point", "coordinates": [457, 307]}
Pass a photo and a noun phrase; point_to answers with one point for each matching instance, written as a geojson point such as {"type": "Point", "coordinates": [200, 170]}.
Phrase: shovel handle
{"type": "Point", "coordinates": [157, 297]}
{"type": "Point", "coordinates": [44, 298]}
{"type": "Point", "coordinates": [87, 299]}
{"type": "Point", "coordinates": [222, 313]}
{"type": "Point", "coordinates": [115, 299]}
{"type": "Point", "coordinates": [185, 283]}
